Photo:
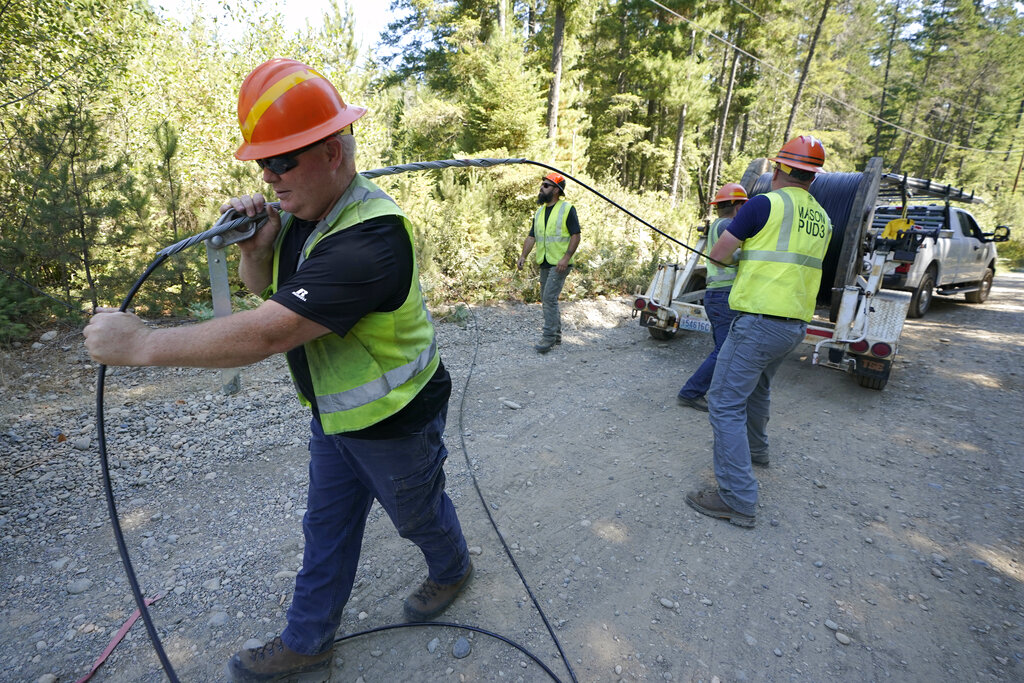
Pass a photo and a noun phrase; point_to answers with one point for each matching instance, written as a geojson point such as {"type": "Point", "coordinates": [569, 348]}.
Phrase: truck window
{"type": "Point", "coordinates": [968, 226]}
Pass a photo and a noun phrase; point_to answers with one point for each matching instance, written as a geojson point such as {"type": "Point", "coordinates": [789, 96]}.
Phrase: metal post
{"type": "Point", "coordinates": [216, 261]}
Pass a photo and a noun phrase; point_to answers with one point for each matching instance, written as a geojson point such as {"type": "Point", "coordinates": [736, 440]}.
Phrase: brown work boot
{"type": "Point", "coordinates": [275, 661]}
{"type": "Point", "coordinates": [711, 504]}
{"type": "Point", "coordinates": [432, 598]}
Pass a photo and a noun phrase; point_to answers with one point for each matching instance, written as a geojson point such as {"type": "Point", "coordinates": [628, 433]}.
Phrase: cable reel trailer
{"type": "Point", "coordinates": [857, 326]}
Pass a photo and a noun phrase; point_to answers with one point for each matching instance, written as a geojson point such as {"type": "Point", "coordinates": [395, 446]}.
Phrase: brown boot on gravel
{"type": "Point", "coordinates": [432, 598]}
{"type": "Point", "coordinates": [275, 661]}
{"type": "Point", "coordinates": [711, 504]}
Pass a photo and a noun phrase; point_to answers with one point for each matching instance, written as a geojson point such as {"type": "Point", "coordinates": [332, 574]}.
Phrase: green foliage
{"type": "Point", "coordinates": [16, 305]}
{"type": "Point", "coordinates": [1007, 209]}
{"type": "Point", "coordinates": [117, 127]}
{"type": "Point", "coordinates": [21, 310]}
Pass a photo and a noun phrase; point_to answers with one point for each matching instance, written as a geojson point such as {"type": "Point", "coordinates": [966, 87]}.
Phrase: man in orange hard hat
{"type": "Point", "coordinates": [783, 236]}
{"type": "Point", "coordinates": [338, 272]}
{"type": "Point", "coordinates": [556, 233]}
{"type": "Point", "coordinates": [718, 285]}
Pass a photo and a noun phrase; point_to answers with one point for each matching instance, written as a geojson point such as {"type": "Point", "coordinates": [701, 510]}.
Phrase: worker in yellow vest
{"type": "Point", "coordinates": [784, 236]}
{"type": "Point", "coordinates": [718, 285]}
{"type": "Point", "coordinates": [337, 268]}
{"type": "Point", "coordinates": [556, 233]}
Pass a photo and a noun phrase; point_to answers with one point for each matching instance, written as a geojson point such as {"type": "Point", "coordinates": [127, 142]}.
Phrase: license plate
{"type": "Point", "coordinates": [872, 365]}
{"type": "Point", "coordinates": [695, 325]}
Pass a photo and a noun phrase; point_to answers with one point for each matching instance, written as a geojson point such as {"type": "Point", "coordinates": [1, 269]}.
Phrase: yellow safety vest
{"type": "Point", "coordinates": [552, 238]}
{"type": "Point", "coordinates": [718, 276]}
{"type": "Point", "coordinates": [780, 267]}
{"type": "Point", "coordinates": [384, 361]}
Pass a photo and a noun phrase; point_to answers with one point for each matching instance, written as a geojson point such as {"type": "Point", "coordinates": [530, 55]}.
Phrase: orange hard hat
{"type": "Point", "coordinates": [558, 179]}
{"type": "Point", "coordinates": [730, 192]}
{"type": "Point", "coordinates": [805, 152]}
{"type": "Point", "coordinates": [285, 105]}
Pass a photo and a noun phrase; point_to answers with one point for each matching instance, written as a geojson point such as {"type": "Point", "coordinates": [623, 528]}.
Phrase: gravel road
{"type": "Point", "coordinates": [888, 544]}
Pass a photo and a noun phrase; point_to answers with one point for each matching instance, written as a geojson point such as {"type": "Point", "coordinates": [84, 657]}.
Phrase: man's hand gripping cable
{"type": "Point", "coordinates": [230, 228]}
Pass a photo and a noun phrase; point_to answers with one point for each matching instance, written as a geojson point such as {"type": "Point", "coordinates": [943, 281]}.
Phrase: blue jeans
{"type": "Point", "coordinates": [551, 283]}
{"type": "Point", "coordinates": [739, 401]}
{"type": "Point", "coordinates": [406, 476]}
{"type": "Point", "coordinates": [716, 305]}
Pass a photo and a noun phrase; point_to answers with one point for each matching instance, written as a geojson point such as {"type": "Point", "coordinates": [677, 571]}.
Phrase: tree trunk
{"type": "Point", "coordinates": [746, 131]}
{"type": "Point", "coordinates": [714, 130]}
{"type": "Point", "coordinates": [952, 134]}
{"type": "Point", "coordinates": [652, 136]}
{"type": "Point", "coordinates": [556, 71]}
{"type": "Point", "coordinates": [933, 147]}
{"type": "Point", "coordinates": [501, 16]}
{"type": "Point", "coordinates": [677, 160]}
{"type": "Point", "coordinates": [804, 71]}
{"type": "Point", "coordinates": [716, 162]}
{"type": "Point", "coordinates": [967, 142]}
{"type": "Point", "coordinates": [885, 79]}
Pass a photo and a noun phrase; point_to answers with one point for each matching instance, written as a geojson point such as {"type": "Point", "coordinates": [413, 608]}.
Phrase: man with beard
{"type": "Point", "coordinates": [556, 232]}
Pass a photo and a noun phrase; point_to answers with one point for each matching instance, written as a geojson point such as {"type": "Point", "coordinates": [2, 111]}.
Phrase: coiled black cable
{"type": "Point", "coordinates": [123, 548]}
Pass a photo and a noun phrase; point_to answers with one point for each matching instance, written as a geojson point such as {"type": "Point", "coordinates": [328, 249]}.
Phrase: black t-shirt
{"type": "Point", "coordinates": [572, 224]}
{"type": "Point", "coordinates": [363, 269]}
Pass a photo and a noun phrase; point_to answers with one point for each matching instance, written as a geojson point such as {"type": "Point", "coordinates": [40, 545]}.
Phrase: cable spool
{"type": "Point", "coordinates": [849, 201]}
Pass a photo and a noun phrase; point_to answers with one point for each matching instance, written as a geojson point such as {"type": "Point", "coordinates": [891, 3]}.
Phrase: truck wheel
{"type": "Point", "coordinates": [984, 287]}
{"type": "Point", "coordinates": [922, 297]}
{"type": "Point", "coordinates": [660, 334]}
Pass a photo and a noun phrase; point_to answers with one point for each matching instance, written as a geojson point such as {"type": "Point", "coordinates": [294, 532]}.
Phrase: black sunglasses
{"type": "Point", "coordinates": [283, 163]}
{"type": "Point", "coordinates": [547, 184]}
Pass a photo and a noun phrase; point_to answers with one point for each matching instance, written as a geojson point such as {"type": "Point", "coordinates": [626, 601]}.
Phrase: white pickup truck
{"type": "Point", "coordinates": [954, 256]}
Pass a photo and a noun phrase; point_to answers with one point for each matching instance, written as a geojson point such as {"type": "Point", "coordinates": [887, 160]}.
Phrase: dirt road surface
{"type": "Point", "coordinates": [888, 543]}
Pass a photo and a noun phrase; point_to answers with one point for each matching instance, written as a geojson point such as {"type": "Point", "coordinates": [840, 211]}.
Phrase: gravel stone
{"type": "Point", "coordinates": [461, 648]}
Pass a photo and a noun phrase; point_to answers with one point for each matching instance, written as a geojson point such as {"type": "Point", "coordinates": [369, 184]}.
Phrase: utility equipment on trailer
{"type": "Point", "coordinates": [857, 326]}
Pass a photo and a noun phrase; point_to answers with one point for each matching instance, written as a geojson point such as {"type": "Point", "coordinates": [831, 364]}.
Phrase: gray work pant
{"type": "Point", "coordinates": [551, 283]}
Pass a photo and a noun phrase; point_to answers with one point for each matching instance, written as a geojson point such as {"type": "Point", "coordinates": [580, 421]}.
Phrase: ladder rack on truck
{"type": "Point", "coordinates": [857, 326]}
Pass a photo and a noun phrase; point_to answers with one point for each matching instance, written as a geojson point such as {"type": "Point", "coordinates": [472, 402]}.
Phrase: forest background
{"type": "Point", "coordinates": [117, 126]}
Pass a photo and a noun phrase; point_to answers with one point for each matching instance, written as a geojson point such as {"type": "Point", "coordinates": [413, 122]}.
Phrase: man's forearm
{"type": "Point", "coordinates": [574, 242]}
{"type": "Point", "coordinates": [256, 271]}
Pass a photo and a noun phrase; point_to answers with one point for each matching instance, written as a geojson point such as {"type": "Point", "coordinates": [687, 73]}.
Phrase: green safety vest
{"type": "Point", "coordinates": [780, 267]}
{"type": "Point", "coordinates": [384, 361]}
{"type": "Point", "coordinates": [718, 276]}
{"type": "Point", "coordinates": [552, 238]}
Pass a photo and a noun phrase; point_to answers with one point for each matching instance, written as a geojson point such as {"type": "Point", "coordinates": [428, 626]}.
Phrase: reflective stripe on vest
{"type": "Point", "coordinates": [718, 277]}
{"type": "Point", "coordinates": [386, 358]}
{"type": "Point", "coordinates": [780, 267]}
{"type": "Point", "coordinates": [378, 388]}
{"type": "Point", "coordinates": [552, 237]}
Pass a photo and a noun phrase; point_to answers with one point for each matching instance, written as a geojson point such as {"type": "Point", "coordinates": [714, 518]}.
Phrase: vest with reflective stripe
{"type": "Point", "coordinates": [718, 276]}
{"type": "Point", "coordinates": [386, 358]}
{"type": "Point", "coordinates": [552, 237]}
{"type": "Point", "coordinates": [780, 267]}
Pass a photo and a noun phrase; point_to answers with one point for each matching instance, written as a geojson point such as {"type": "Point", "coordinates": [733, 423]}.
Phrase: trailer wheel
{"type": "Point", "coordinates": [660, 334]}
{"type": "Point", "coordinates": [922, 297]}
{"type": "Point", "coordinates": [697, 282]}
{"type": "Point", "coordinates": [869, 382]}
{"type": "Point", "coordinates": [984, 287]}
